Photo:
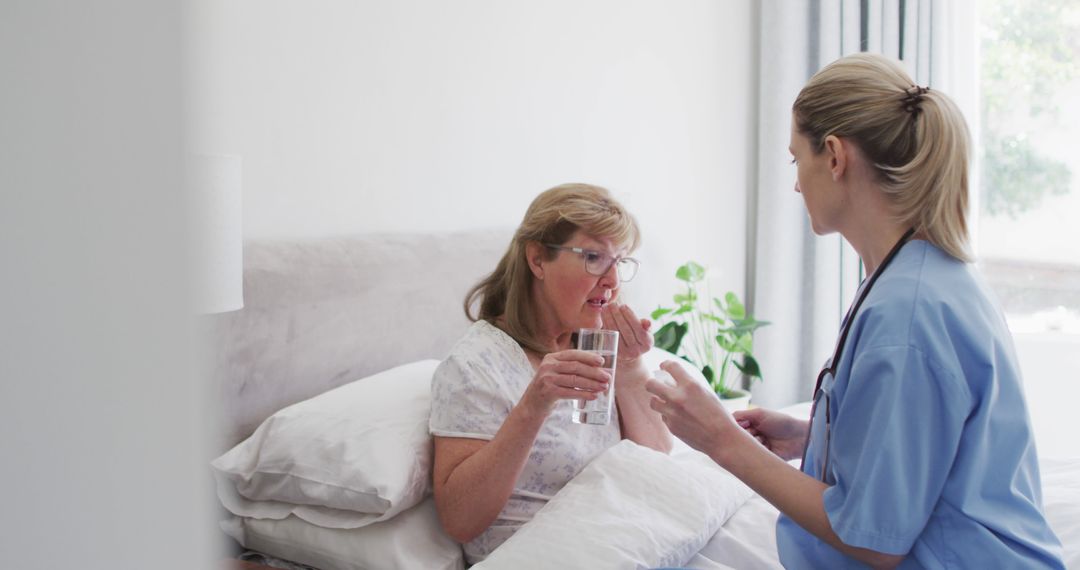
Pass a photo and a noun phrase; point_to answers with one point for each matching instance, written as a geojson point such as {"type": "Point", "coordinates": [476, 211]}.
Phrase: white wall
{"type": "Point", "coordinates": [101, 404]}
{"type": "Point", "coordinates": [424, 115]}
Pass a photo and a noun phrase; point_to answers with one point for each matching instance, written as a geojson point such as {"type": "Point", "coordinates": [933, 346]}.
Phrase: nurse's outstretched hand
{"type": "Point", "coordinates": [691, 411]}
{"type": "Point", "coordinates": [780, 433]}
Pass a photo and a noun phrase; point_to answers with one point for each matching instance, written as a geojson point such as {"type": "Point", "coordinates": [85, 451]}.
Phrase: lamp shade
{"type": "Point", "coordinates": [214, 184]}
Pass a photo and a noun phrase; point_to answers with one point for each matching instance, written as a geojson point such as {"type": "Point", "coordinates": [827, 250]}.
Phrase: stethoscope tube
{"type": "Point", "coordinates": [835, 360]}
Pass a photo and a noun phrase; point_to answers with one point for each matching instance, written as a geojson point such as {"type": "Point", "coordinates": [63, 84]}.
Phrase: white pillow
{"type": "Point", "coordinates": [413, 539]}
{"type": "Point", "coordinates": [631, 507]}
{"type": "Point", "coordinates": [349, 457]}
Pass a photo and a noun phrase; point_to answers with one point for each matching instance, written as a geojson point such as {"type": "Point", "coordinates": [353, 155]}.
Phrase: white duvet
{"type": "Point", "coordinates": [631, 507]}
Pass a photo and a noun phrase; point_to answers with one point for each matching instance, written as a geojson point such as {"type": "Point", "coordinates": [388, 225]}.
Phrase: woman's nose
{"type": "Point", "coordinates": [610, 278]}
{"type": "Point", "coordinates": [797, 189]}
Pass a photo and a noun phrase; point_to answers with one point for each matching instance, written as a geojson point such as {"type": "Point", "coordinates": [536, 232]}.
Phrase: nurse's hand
{"type": "Point", "coordinates": [691, 411]}
{"type": "Point", "coordinates": [781, 433]}
{"type": "Point", "coordinates": [634, 336]}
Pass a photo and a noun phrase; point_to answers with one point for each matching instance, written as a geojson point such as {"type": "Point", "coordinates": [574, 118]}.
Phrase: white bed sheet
{"type": "Point", "coordinates": [1061, 499]}
{"type": "Point", "coordinates": [747, 541]}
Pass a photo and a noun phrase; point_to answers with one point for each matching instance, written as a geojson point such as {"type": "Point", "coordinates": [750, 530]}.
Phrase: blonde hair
{"type": "Point", "coordinates": [552, 218]}
{"type": "Point", "coordinates": [916, 139]}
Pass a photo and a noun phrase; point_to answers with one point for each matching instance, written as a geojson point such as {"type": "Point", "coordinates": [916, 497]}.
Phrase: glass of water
{"type": "Point", "coordinates": [605, 343]}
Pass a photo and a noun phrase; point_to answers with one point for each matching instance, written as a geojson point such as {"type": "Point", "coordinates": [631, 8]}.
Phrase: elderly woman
{"type": "Point", "coordinates": [919, 451]}
{"type": "Point", "coordinates": [503, 445]}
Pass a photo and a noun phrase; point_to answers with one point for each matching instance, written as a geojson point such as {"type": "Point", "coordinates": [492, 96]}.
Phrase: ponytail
{"type": "Point", "coordinates": [916, 139]}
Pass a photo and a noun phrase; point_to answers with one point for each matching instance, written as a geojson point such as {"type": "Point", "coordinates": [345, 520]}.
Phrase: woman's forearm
{"type": "Point", "coordinates": [791, 491]}
{"type": "Point", "coordinates": [640, 423]}
{"type": "Point", "coordinates": [476, 489]}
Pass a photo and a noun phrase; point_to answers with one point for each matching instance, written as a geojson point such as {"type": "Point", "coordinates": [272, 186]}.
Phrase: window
{"type": "Point", "coordinates": [1028, 222]}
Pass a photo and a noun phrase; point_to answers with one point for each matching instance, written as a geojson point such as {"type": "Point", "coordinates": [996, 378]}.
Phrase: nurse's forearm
{"type": "Point", "coordinates": [794, 493]}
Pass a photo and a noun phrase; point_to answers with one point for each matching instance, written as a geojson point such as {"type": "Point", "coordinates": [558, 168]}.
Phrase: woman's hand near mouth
{"type": "Point", "coordinates": [637, 420]}
{"type": "Point", "coordinates": [634, 336]}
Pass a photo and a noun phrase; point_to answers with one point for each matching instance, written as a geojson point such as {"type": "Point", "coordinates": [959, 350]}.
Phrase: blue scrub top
{"type": "Point", "coordinates": [931, 452]}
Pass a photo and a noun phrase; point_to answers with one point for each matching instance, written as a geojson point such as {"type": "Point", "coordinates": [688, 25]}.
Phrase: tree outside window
{"type": "Point", "coordinates": [1028, 240]}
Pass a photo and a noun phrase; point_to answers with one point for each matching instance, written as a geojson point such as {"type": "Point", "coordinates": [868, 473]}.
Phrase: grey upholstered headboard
{"type": "Point", "coordinates": [322, 313]}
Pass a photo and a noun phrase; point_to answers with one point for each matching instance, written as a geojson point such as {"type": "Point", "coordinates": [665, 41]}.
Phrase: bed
{"type": "Point", "coordinates": [325, 460]}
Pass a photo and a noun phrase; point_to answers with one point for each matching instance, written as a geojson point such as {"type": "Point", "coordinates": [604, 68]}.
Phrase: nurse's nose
{"type": "Point", "coordinates": [797, 189]}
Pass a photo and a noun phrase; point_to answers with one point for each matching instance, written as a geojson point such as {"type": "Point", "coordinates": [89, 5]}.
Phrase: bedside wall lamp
{"type": "Point", "coordinates": [214, 184]}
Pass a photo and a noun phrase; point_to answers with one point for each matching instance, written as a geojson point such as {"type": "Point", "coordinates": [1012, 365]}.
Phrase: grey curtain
{"type": "Point", "coordinates": [801, 282]}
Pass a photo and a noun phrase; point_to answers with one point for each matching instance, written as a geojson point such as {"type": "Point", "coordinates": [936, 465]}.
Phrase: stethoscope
{"type": "Point", "coordinates": [830, 367]}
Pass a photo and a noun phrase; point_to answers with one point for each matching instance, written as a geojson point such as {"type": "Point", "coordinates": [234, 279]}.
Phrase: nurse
{"type": "Point", "coordinates": [919, 452]}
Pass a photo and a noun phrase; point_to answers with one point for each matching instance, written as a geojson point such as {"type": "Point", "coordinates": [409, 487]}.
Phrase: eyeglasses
{"type": "Point", "coordinates": [599, 263]}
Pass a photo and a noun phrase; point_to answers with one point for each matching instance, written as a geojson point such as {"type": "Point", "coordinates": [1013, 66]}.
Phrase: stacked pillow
{"type": "Point", "coordinates": [328, 471]}
{"type": "Point", "coordinates": [413, 539]}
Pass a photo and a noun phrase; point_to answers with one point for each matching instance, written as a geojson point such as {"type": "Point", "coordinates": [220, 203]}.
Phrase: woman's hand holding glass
{"type": "Point", "coordinates": [779, 432]}
{"type": "Point", "coordinates": [565, 375]}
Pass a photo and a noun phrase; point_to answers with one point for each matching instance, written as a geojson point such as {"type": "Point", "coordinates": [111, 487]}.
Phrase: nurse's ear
{"type": "Point", "coordinates": [838, 151]}
{"type": "Point", "coordinates": [534, 255]}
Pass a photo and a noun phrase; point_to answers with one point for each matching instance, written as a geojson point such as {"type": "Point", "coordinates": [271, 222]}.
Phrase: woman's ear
{"type": "Point", "coordinates": [838, 151]}
{"type": "Point", "coordinates": [534, 254]}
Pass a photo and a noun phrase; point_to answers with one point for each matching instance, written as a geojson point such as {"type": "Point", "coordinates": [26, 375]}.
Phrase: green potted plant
{"type": "Point", "coordinates": [716, 336]}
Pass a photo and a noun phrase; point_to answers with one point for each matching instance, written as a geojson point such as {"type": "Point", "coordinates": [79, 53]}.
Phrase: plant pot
{"type": "Point", "coordinates": [736, 400]}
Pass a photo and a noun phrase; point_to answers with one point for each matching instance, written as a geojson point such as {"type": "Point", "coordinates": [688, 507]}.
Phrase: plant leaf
{"type": "Point", "coordinates": [745, 343]}
{"type": "Point", "coordinates": [707, 371]}
{"type": "Point", "coordinates": [683, 309]}
{"type": "Point", "coordinates": [718, 320]}
{"type": "Point", "coordinates": [748, 325]}
{"type": "Point", "coordinates": [687, 298]}
{"type": "Point", "coordinates": [735, 308]}
{"type": "Point", "coordinates": [724, 343]}
{"type": "Point", "coordinates": [670, 336]}
{"type": "Point", "coordinates": [749, 366]}
{"type": "Point", "coordinates": [690, 272]}
{"type": "Point", "coordinates": [659, 312]}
